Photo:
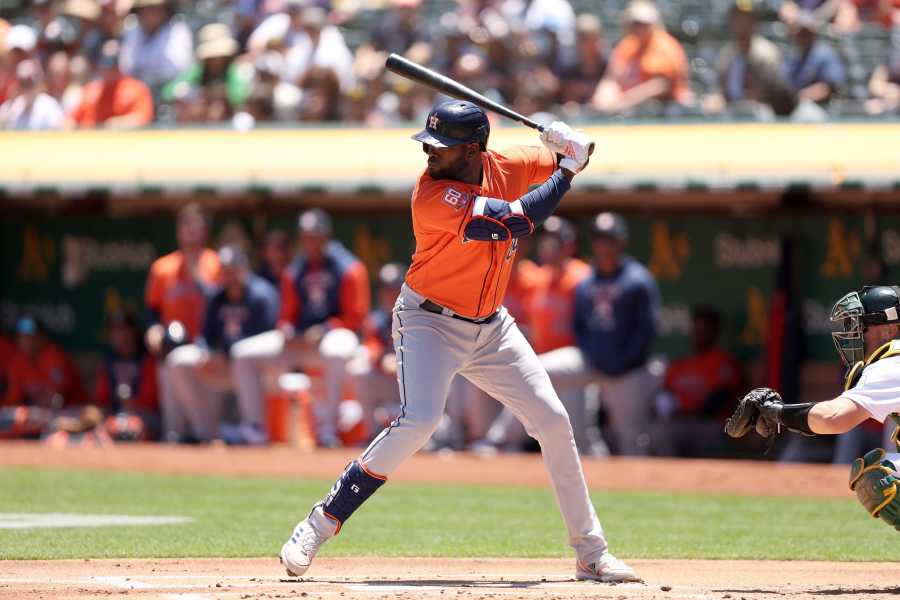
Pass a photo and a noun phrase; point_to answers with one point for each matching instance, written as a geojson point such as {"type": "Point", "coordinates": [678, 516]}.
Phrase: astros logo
{"type": "Point", "coordinates": [433, 121]}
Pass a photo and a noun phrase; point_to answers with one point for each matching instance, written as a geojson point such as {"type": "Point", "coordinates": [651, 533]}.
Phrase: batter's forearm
{"type": "Point", "coordinates": [540, 203]}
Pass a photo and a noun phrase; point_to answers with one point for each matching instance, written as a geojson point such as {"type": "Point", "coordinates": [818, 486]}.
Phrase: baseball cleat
{"type": "Point", "coordinates": [607, 569]}
{"type": "Point", "coordinates": [309, 535]}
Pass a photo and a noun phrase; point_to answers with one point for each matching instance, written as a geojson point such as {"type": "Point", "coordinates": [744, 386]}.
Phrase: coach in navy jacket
{"type": "Point", "coordinates": [245, 305]}
{"type": "Point", "coordinates": [614, 321]}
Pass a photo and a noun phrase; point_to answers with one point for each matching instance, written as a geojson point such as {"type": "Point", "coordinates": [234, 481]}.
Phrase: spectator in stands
{"type": "Point", "coordinates": [115, 100]}
{"type": "Point", "coordinates": [884, 85]}
{"type": "Point", "coordinates": [615, 313]}
{"type": "Point", "coordinates": [647, 65]}
{"type": "Point", "coordinates": [843, 14]}
{"type": "Point", "coordinates": [60, 83]}
{"type": "Point", "coordinates": [403, 30]}
{"type": "Point", "coordinates": [814, 69]}
{"type": "Point", "coordinates": [581, 75]}
{"type": "Point", "coordinates": [699, 392]}
{"type": "Point", "coordinates": [20, 45]}
{"type": "Point", "coordinates": [78, 29]}
{"type": "Point", "coordinates": [276, 255]}
{"type": "Point", "coordinates": [279, 31]}
{"type": "Point", "coordinates": [321, 95]}
{"type": "Point", "coordinates": [884, 12]}
{"type": "Point", "coordinates": [31, 109]}
{"type": "Point", "coordinates": [216, 65]}
{"type": "Point", "coordinates": [374, 370]}
{"type": "Point", "coordinates": [245, 305]}
{"type": "Point", "coordinates": [110, 23]}
{"type": "Point", "coordinates": [324, 298]}
{"type": "Point", "coordinates": [157, 47]}
{"type": "Point", "coordinates": [40, 373]}
{"type": "Point", "coordinates": [320, 46]}
{"type": "Point", "coordinates": [126, 386]}
{"type": "Point", "coordinates": [750, 80]}
{"type": "Point", "coordinates": [177, 289]}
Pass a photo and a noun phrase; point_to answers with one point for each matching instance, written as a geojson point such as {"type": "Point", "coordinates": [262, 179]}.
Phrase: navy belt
{"type": "Point", "coordinates": [434, 307]}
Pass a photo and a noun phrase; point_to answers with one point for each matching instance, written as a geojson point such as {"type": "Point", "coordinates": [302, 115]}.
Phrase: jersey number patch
{"type": "Point", "coordinates": [455, 198]}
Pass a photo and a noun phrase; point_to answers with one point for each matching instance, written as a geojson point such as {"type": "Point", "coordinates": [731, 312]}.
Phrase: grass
{"type": "Point", "coordinates": [251, 516]}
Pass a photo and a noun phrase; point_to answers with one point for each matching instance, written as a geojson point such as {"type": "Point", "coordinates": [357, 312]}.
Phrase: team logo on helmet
{"type": "Point", "coordinates": [433, 121]}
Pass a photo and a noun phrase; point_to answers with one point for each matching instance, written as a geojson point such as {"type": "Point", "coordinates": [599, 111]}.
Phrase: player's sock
{"type": "Point", "coordinates": [354, 487]}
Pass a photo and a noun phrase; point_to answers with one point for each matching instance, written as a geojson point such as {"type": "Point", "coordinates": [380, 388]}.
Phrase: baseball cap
{"type": "Point", "coordinates": [641, 11]}
{"type": "Point", "coordinates": [391, 275]}
{"type": "Point", "coordinates": [314, 220]}
{"type": "Point", "coordinates": [454, 122]}
{"type": "Point", "coordinates": [89, 10]}
{"type": "Point", "coordinates": [608, 224]}
{"type": "Point", "coordinates": [21, 37]}
{"type": "Point", "coordinates": [560, 228]}
{"type": "Point", "coordinates": [222, 47]}
{"type": "Point", "coordinates": [232, 256]}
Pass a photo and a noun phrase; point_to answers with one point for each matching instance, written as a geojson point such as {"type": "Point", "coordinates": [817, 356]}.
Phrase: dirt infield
{"type": "Point", "coordinates": [466, 579]}
{"type": "Point", "coordinates": [414, 578]}
{"type": "Point", "coordinates": [739, 477]}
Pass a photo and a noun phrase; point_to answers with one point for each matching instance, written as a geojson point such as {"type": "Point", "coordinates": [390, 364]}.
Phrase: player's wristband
{"type": "Point", "coordinates": [796, 417]}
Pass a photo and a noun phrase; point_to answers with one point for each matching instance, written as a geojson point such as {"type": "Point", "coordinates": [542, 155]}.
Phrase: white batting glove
{"type": "Point", "coordinates": [573, 145]}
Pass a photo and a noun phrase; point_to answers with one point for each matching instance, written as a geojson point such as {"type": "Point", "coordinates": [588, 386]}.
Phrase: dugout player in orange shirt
{"type": "Point", "coordinates": [177, 289]}
{"type": "Point", "coordinates": [469, 208]}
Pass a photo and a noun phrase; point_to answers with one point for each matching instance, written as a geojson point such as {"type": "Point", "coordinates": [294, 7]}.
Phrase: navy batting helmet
{"type": "Point", "coordinates": [455, 122]}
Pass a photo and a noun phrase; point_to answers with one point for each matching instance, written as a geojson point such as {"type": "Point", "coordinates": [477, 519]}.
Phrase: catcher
{"type": "Point", "coordinates": [869, 345]}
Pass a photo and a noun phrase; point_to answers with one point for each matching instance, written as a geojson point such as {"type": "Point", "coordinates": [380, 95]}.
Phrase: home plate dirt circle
{"type": "Point", "coordinates": [412, 578]}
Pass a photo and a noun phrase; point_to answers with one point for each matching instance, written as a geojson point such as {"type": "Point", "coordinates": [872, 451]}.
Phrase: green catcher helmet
{"type": "Point", "coordinates": [874, 305]}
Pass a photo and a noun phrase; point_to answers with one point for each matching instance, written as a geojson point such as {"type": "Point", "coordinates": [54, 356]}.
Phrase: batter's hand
{"type": "Point", "coordinates": [573, 146]}
{"type": "Point", "coordinates": [760, 409]}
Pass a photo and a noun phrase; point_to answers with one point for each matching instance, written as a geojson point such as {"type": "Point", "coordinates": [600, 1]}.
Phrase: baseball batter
{"type": "Point", "coordinates": [469, 208]}
{"type": "Point", "coordinates": [869, 345]}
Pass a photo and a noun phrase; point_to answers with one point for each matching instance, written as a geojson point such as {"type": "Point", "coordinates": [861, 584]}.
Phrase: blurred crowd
{"type": "Point", "coordinates": [239, 63]}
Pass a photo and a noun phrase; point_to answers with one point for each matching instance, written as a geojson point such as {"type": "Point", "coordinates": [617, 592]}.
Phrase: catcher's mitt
{"type": "Point", "coordinates": [760, 409]}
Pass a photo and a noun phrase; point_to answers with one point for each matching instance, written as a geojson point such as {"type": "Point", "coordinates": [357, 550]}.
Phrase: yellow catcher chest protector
{"type": "Point", "coordinates": [892, 348]}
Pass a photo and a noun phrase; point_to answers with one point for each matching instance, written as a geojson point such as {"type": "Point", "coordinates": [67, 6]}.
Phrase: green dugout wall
{"type": "Point", "coordinates": [72, 269]}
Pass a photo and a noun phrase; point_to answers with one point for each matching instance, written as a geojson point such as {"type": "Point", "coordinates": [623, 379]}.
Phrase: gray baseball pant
{"type": "Point", "coordinates": [496, 357]}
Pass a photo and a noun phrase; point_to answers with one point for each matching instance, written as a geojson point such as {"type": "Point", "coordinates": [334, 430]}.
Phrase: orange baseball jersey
{"type": "Point", "coordinates": [173, 292]}
{"type": "Point", "coordinates": [692, 379]}
{"type": "Point", "coordinates": [469, 277]}
{"type": "Point", "coordinates": [552, 304]}
{"type": "Point", "coordinates": [35, 380]}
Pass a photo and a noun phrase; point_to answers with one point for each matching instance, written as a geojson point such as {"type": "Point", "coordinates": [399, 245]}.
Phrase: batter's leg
{"type": "Point", "coordinates": [430, 350]}
{"type": "Point", "coordinates": [506, 367]}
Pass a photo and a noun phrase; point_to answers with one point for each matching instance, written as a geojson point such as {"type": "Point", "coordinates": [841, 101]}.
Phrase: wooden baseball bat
{"type": "Point", "coordinates": [416, 72]}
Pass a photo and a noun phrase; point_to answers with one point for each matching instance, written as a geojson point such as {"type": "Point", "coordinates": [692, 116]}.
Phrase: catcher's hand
{"type": "Point", "coordinates": [872, 478]}
{"type": "Point", "coordinates": [760, 409]}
